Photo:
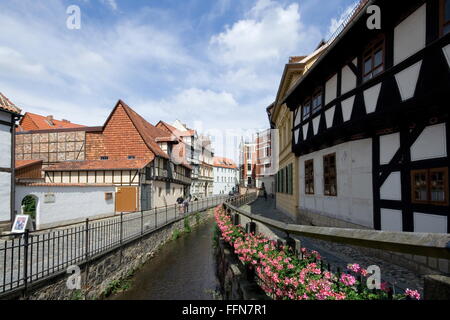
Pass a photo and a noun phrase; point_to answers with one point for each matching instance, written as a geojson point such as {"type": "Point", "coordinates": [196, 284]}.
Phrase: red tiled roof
{"type": "Point", "coordinates": [224, 163]}
{"type": "Point", "coordinates": [148, 132]}
{"type": "Point", "coordinates": [7, 105]}
{"type": "Point", "coordinates": [88, 165]}
{"type": "Point", "coordinates": [175, 131]}
{"type": "Point", "coordinates": [25, 163]}
{"type": "Point", "coordinates": [48, 184]}
{"type": "Point", "coordinates": [32, 121]}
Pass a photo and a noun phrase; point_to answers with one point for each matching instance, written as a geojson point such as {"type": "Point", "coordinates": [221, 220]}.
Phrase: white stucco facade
{"type": "Point", "coordinates": [67, 204]}
{"type": "Point", "coordinates": [354, 200]}
{"type": "Point", "coordinates": [5, 164]}
{"type": "Point", "coordinates": [225, 179]}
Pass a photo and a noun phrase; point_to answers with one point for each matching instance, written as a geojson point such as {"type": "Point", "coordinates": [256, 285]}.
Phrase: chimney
{"type": "Point", "coordinates": [50, 119]}
{"type": "Point", "coordinates": [65, 121]}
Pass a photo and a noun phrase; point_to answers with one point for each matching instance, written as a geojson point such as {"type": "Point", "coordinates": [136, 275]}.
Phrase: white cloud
{"type": "Point", "coordinates": [269, 32]}
{"type": "Point", "coordinates": [335, 23]}
{"type": "Point", "coordinates": [111, 3]}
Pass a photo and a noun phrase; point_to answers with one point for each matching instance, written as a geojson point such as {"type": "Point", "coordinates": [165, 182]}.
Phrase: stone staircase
{"type": "Point", "coordinates": [5, 227]}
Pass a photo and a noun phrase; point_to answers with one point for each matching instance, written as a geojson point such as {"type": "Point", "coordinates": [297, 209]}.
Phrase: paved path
{"type": "Point", "coordinates": [339, 255]}
{"type": "Point", "coordinates": [56, 249]}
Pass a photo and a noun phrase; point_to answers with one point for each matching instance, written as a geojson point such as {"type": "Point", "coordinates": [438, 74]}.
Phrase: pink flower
{"type": "Point", "coordinates": [413, 294]}
{"type": "Point", "coordinates": [354, 267]}
{"type": "Point", "coordinates": [348, 279]}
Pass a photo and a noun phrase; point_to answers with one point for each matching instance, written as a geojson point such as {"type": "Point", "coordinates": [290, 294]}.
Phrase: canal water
{"type": "Point", "coordinates": [184, 269]}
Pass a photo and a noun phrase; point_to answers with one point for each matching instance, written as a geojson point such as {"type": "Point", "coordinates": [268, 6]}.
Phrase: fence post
{"type": "Point", "coordinates": [86, 249]}
{"type": "Point", "coordinates": [25, 267]}
{"type": "Point", "coordinates": [156, 217]}
{"type": "Point", "coordinates": [121, 228]}
{"type": "Point", "coordinates": [142, 222]}
{"type": "Point", "coordinates": [166, 215]}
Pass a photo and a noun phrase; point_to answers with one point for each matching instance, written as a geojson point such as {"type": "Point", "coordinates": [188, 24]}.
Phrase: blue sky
{"type": "Point", "coordinates": [215, 65]}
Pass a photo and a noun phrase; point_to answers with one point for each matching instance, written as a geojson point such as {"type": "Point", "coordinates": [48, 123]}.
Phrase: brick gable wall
{"type": "Point", "coordinates": [118, 140]}
{"type": "Point", "coordinates": [27, 124]}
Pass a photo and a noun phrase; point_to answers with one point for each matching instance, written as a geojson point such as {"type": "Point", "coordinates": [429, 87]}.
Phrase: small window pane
{"type": "Point", "coordinates": [420, 186]}
{"type": "Point", "coordinates": [437, 186]}
{"type": "Point", "coordinates": [378, 58]}
{"type": "Point", "coordinates": [367, 66]}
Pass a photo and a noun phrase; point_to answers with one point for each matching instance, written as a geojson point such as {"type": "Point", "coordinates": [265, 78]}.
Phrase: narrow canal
{"type": "Point", "coordinates": [184, 269]}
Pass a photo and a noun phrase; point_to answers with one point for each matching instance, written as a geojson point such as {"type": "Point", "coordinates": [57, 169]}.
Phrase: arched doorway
{"type": "Point", "coordinates": [29, 207]}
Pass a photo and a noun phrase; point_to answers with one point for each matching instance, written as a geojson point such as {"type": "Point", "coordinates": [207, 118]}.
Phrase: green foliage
{"type": "Point", "coordinates": [29, 203]}
{"type": "Point", "coordinates": [77, 295]}
{"type": "Point", "coordinates": [116, 286]}
{"type": "Point", "coordinates": [176, 234]}
{"type": "Point", "coordinates": [197, 217]}
{"type": "Point", "coordinates": [187, 227]}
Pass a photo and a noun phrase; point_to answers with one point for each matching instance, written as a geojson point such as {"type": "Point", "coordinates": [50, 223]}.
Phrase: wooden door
{"type": "Point", "coordinates": [126, 199]}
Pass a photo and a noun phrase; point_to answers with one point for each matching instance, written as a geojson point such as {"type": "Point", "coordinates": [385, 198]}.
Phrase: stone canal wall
{"type": "Point", "coordinates": [236, 282]}
{"type": "Point", "coordinates": [99, 272]}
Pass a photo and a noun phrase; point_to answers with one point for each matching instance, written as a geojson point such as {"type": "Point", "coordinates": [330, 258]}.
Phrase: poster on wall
{"type": "Point", "coordinates": [22, 223]}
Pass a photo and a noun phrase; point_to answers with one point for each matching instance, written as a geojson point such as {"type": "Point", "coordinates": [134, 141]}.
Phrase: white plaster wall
{"type": "Point", "coordinates": [5, 196]}
{"type": "Point", "coordinates": [410, 35]}
{"type": "Point", "coordinates": [163, 198]}
{"type": "Point", "coordinates": [5, 146]}
{"type": "Point", "coordinates": [430, 223]}
{"type": "Point", "coordinates": [392, 187]}
{"type": "Point", "coordinates": [354, 202]}
{"type": "Point", "coordinates": [72, 204]}
{"type": "Point", "coordinates": [391, 220]}
{"type": "Point", "coordinates": [432, 143]}
{"type": "Point", "coordinates": [389, 145]}
{"type": "Point", "coordinates": [224, 187]}
{"type": "Point", "coordinates": [331, 89]}
{"type": "Point", "coordinates": [348, 80]}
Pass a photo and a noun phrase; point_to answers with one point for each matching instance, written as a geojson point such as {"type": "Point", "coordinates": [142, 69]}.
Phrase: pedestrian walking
{"type": "Point", "coordinates": [180, 201]}
{"type": "Point", "coordinates": [186, 205]}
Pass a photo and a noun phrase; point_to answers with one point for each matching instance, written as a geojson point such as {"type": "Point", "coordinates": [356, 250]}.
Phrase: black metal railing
{"type": "Point", "coordinates": [421, 244]}
{"type": "Point", "coordinates": [35, 256]}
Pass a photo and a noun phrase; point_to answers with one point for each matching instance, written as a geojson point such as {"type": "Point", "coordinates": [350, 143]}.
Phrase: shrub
{"type": "Point", "coordinates": [285, 276]}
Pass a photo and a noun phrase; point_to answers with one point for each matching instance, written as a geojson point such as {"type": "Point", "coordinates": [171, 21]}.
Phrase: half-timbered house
{"type": "Point", "coordinates": [371, 128]}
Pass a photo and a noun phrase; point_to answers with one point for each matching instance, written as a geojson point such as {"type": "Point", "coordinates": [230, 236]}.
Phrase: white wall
{"type": "Point", "coordinates": [5, 146]}
{"type": "Point", "coordinates": [72, 204]}
{"type": "Point", "coordinates": [410, 35]}
{"type": "Point", "coordinates": [224, 180]}
{"type": "Point", "coordinates": [163, 196]}
{"type": "Point", "coordinates": [5, 196]}
{"type": "Point", "coordinates": [354, 202]}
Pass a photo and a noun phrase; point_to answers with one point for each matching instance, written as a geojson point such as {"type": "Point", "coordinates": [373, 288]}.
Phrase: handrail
{"type": "Point", "coordinates": [424, 244]}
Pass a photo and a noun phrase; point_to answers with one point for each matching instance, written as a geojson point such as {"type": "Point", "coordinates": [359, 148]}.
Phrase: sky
{"type": "Point", "coordinates": [214, 64]}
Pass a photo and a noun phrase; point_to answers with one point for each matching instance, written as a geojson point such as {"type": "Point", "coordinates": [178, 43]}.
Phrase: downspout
{"type": "Point", "coordinates": [14, 118]}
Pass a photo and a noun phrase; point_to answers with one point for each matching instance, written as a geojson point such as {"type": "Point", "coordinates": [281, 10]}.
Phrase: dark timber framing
{"type": "Point", "coordinates": [408, 118]}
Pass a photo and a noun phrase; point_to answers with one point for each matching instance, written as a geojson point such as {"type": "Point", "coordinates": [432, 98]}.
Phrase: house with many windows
{"type": "Point", "coordinates": [126, 166]}
{"type": "Point", "coordinates": [196, 150]}
{"type": "Point", "coordinates": [370, 122]}
{"type": "Point", "coordinates": [9, 114]}
{"type": "Point", "coordinates": [226, 176]}
{"type": "Point", "coordinates": [280, 117]}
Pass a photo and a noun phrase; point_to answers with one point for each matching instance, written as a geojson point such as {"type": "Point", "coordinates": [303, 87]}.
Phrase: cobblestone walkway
{"type": "Point", "coordinates": [339, 255]}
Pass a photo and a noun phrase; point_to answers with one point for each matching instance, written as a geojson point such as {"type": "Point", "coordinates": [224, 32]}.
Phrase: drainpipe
{"type": "Point", "coordinates": [14, 118]}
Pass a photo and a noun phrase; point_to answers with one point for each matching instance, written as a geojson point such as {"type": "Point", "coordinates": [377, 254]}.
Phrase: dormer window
{"type": "Point", "coordinates": [131, 157]}
{"type": "Point", "coordinates": [373, 60]}
{"type": "Point", "coordinates": [104, 158]}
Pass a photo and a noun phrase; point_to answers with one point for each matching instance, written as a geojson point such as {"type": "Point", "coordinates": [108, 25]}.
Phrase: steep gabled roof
{"type": "Point", "coordinates": [175, 131]}
{"type": "Point", "coordinates": [147, 131]}
{"type": "Point", "coordinates": [98, 165]}
{"type": "Point", "coordinates": [224, 163]}
{"type": "Point", "coordinates": [34, 122]}
{"type": "Point", "coordinates": [7, 105]}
